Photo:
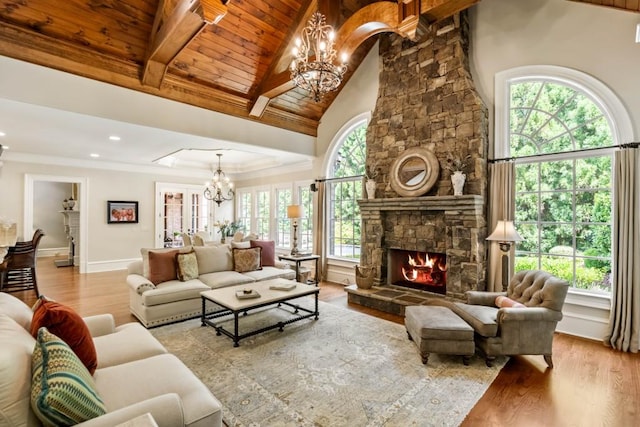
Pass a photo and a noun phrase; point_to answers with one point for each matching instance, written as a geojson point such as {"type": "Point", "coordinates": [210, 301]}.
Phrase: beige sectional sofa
{"type": "Point", "coordinates": [135, 375]}
{"type": "Point", "coordinates": [175, 300]}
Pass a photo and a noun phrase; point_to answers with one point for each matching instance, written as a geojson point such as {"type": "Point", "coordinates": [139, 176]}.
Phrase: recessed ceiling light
{"type": "Point", "coordinates": [114, 138]}
{"type": "Point", "coordinates": [94, 155]}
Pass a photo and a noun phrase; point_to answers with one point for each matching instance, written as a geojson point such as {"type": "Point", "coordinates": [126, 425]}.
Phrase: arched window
{"type": "Point", "coordinates": [345, 167]}
{"type": "Point", "coordinates": [559, 125]}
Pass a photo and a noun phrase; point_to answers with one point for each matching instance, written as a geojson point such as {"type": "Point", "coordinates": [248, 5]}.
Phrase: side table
{"type": "Point", "coordinates": [297, 259]}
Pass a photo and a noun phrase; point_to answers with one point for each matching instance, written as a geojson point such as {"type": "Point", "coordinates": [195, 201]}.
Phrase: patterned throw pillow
{"type": "Point", "coordinates": [187, 266]}
{"type": "Point", "coordinates": [62, 390]}
{"type": "Point", "coordinates": [502, 301]}
{"type": "Point", "coordinates": [65, 323]}
{"type": "Point", "coordinates": [246, 259]}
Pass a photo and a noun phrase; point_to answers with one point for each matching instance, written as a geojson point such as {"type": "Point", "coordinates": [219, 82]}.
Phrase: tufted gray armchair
{"type": "Point", "coordinates": [516, 330]}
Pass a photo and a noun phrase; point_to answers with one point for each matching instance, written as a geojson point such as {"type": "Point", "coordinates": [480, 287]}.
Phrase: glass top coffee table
{"type": "Point", "coordinates": [233, 300]}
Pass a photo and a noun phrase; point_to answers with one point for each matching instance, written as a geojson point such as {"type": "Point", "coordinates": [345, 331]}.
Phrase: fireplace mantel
{"type": "Point", "coordinates": [469, 202]}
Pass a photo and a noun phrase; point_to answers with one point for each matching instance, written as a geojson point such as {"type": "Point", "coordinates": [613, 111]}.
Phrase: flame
{"type": "Point", "coordinates": [420, 269]}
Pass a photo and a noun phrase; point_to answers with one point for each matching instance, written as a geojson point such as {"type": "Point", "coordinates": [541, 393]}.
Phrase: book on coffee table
{"type": "Point", "coordinates": [247, 293]}
{"type": "Point", "coordinates": [283, 286]}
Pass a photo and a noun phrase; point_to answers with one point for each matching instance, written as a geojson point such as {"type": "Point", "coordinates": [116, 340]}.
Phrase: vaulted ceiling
{"type": "Point", "coordinates": [229, 56]}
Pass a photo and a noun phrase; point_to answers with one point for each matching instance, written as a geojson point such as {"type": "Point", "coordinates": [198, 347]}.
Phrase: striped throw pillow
{"type": "Point", "coordinates": [62, 390]}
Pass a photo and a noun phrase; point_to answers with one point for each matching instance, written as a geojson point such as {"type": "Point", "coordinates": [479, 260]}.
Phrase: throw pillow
{"type": "Point", "coordinates": [187, 266]}
{"type": "Point", "coordinates": [246, 259]}
{"type": "Point", "coordinates": [64, 322]}
{"type": "Point", "coordinates": [268, 257]}
{"type": "Point", "coordinates": [162, 266]}
{"type": "Point", "coordinates": [212, 259]}
{"type": "Point", "coordinates": [502, 301]}
{"type": "Point", "coordinates": [63, 392]}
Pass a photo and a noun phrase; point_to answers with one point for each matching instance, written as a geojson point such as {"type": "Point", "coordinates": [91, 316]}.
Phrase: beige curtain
{"type": "Point", "coordinates": [502, 194]}
{"type": "Point", "coordinates": [624, 319]}
{"type": "Point", "coordinates": [319, 237]}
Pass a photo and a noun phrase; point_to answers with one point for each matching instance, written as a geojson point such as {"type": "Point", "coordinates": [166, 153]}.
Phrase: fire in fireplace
{"type": "Point", "coordinates": [418, 270]}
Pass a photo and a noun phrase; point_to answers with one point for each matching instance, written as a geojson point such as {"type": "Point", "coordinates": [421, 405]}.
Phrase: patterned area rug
{"type": "Point", "coordinates": [345, 369]}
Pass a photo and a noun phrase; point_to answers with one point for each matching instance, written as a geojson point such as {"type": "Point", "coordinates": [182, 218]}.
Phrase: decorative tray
{"type": "Point", "coordinates": [247, 294]}
{"type": "Point", "coordinates": [283, 286]}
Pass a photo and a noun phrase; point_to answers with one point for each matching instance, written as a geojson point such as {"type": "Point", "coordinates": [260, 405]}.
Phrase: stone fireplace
{"type": "Point", "coordinates": [427, 99]}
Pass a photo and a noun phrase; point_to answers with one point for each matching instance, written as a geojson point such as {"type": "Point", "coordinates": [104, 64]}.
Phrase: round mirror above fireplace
{"type": "Point", "coordinates": [414, 172]}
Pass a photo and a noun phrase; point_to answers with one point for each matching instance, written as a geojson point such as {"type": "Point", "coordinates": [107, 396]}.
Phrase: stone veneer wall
{"type": "Point", "coordinates": [427, 98]}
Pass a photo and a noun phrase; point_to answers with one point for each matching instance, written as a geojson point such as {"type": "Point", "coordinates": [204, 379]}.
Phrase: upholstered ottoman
{"type": "Point", "coordinates": [436, 329]}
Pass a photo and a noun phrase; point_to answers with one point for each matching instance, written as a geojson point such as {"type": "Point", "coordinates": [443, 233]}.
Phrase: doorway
{"type": "Point", "coordinates": [30, 206]}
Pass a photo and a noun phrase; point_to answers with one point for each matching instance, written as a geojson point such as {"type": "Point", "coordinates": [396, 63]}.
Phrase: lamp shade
{"type": "Point", "coordinates": [505, 231]}
{"type": "Point", "coordinates": [295, 211]}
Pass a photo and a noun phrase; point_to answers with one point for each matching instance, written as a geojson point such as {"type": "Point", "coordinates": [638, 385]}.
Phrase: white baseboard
{"type": "Point", "coordinates": [101, 266]}
{"type": "Point", "coordinates": [48, 252]}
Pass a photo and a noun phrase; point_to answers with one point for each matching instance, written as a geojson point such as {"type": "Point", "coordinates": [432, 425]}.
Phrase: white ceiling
{"type": "Point", "coordinates": [33, 131]}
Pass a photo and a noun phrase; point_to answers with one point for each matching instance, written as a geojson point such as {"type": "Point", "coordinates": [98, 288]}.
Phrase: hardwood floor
{"type": "Point", "coordinates": [590, 385]}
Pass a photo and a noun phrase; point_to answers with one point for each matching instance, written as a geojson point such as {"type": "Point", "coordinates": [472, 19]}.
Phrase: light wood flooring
{"type": "Point", "coordinates": [590, 385]}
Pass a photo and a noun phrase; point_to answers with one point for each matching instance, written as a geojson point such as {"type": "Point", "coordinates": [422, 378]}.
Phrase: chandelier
{"type": "Point", "coordinates": [312, 68]}
{"type": "Point", "coordinates": [220, 188]}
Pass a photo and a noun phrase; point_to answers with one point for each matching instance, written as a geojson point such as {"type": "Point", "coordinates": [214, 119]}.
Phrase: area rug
{"type": "Point", "coordinates": [344, 369]}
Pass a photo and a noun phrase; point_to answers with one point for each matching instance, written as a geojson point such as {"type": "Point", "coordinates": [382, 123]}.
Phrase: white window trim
{"type": "Point", "coordinates": [597, 91]}
{"type": "Point", "coordinates": [334, 146]}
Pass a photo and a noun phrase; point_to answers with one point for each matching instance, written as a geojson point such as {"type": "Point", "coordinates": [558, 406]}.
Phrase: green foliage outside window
{"type": "Point", "coordinates": [563, 205]}
{"type": "Point", "coordinates": [344, 211]}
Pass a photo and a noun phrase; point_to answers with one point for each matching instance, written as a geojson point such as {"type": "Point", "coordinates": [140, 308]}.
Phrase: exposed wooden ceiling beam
{"type": "Point", "coordinates": [261, 100]}
{"type": "Point", "coordinates": [629, 5]}
{"type": "Point", "coordinates": [402, 18]}
{"type": "Point", "coordinates": [175, 26]}
{"type": "Point", "coordinates": [436, 10]}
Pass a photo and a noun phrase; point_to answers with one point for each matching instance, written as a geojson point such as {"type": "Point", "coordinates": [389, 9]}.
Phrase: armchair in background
{"type": "Point", "coordinates": [525, 320]}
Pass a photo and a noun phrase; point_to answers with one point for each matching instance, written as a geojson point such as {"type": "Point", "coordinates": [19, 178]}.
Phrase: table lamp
{"type": "Point", "coordinates": [294, 212]}
{"type": "Point", "coordinates": [505, 234]}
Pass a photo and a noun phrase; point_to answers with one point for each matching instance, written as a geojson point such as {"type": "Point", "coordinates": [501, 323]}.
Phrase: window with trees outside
{"type": "Point", "coordinates": [305, 224]}
{"type": "Point", "coordinates": [561, 141]}
{"type": "Point", "coordinates": [344, 191]}
{"type": "Point", "coordinates": [263, 217]}
{"type": "Point", "coordinates": [244, 210]}
{"type": "Point", "coordinates": [283, 224]}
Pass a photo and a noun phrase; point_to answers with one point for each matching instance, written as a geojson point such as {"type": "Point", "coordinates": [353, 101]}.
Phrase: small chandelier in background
{"type": "Point", "coordinates": [220, 188]}
{"type": "Point", "coordinates": [312, 68]}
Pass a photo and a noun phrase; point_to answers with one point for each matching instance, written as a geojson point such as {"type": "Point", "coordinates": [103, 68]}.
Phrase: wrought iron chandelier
{"type": "Point", "coordinates": [313, 67]}
{"type": "Point", "coordinates": [220, 188]}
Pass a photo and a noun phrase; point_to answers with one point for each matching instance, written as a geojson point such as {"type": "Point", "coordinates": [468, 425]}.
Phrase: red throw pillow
{"type": "Point", "coordinates": [162, 266]}
{"type": "Point", "coordinates": [502, 301]}
{"type": "Point", "coordinates": [268, 257]}
{"type": "Point", "coordinates": [67, 325]}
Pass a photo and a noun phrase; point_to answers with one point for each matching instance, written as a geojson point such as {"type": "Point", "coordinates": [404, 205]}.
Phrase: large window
{"type": "Point", "coordinates": [561, 139]}
{"type": "Point", "coordinates": [344, 191]}
{"type": "Point", "coordinates": [305, 224]}
{"type": "Point", "coordinates": [263, 216]}
{"type": "Point", "coordinates": [283, 224]}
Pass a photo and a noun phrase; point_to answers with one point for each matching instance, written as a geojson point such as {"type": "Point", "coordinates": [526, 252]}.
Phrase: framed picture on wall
{"type": "Point", "coordinates": [119, 212]}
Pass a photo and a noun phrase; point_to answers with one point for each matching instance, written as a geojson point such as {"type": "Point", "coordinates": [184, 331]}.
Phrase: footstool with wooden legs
{"type": "Point", "coordinates": [437, 329]}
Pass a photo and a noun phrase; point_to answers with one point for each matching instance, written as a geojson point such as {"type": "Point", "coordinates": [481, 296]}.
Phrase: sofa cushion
{"type": "Point", "coordinates": [129, 342]}
{"type": "Point", "coordinates": [173, 290]}
{"type": "Point", "coordinates": [240, 245]}
{"type": "Point", "coordinates": [129, 383]}
{"type": "Point", "coordinates": [502, 301]}
{"type": "Point", "coordinates": [187, 266]}
{"type": "Point", "coordinates": [162, 266]}
{"type": "Point", "coordinates": [66, 324]}
{"type": "Point", "coordinates": [16, 348]}
{"type": "Point", "coordinates": [246, 259]}
{"type": "Point", "coordinates": [16, 309]}
{"type": "Point", "coordinates": [271, 273]}
{"type": "Point", "coordinates": [213, 258]}
{"type": "Point", "coordinates": [62, 390]}
{"type": "Point", "coordinates": [221, 279]}
{"type": "Point", "coordinates": [481, 317]}
{"type": "Point", "coordinates": [268, 255]}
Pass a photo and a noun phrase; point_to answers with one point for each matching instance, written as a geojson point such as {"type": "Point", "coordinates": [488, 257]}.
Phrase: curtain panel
{"type": "Point", "coordinates": [624, 319]}
{"type": "Point", "coordinates": [502, 194]}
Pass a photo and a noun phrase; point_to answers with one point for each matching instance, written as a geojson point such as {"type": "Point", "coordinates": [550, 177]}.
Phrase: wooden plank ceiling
{"type": "Point", "coordinates": [223, 55]}
{"type": "Point", "coordinates": [630, 5]}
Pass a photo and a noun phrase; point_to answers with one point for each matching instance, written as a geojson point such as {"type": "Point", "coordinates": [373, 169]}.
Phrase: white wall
{"type": "Point", "coordinates": [47, 198]}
